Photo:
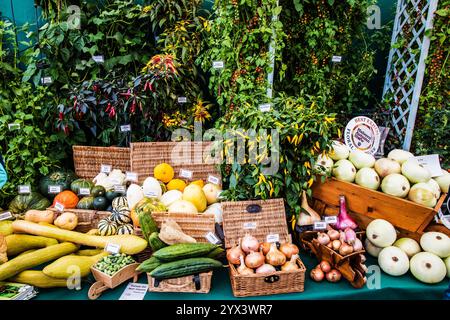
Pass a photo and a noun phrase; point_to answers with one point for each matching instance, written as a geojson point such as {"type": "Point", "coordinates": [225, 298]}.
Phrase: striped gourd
{"type": "Point", "coordinates": [121, 217]}
{"type": "Point", "coordinates": [120, 203]}
{"type": "Point", "coordinates": [125, 229]}
{"type": "Point", "coordinates": [106, 227]}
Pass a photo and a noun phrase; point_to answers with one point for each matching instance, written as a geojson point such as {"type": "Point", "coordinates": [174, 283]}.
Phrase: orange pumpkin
{"type": "Point", "coordinates": [67, 198]}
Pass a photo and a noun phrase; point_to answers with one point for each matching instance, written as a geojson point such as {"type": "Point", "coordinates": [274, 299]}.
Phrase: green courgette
{"type": "Point", "coordinates": [186, 267]}
{"type": "Point", "coordinates": [155, 242]}
{"type": "Point", "coordinates": [148, 225]}
{"type": "Point", "coordinates": [149, 264]}
{"type": "Point", "coordinates": [184, 251]}
{"type": "Point", "coordinates": [216, 253]}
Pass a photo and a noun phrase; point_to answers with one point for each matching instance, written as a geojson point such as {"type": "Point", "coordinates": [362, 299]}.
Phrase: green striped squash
{"type": "Point", "coordinates": [106, 227]}
{"type": "Point", "coordinates": [120, 202]}
{"type": "Point", "coordinates": [125, 229]}
{"type": "Point", "coordinates": [121, 217]}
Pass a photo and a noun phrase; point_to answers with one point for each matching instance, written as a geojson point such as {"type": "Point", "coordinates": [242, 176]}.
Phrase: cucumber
{"type": "Point", "coordinates": [186, 267]}
{"type": "Point", "coordinates": [184, 251]}
{"type": "Point", "coordinates": [155, 242]}
{"type": "Point", "coordinates": [216, 253]}
{"type": "Point", "coordinates": [148, 225]}
{"type": "Point", "coordinates": [149, 264]}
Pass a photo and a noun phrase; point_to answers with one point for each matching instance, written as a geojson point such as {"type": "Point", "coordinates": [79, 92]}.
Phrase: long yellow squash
{"type": "Point", "coordinates": [38, 279]}
{"type": "Point", "coordinates": [18, 243]}
{"type": "Point", "coordinates": [63, 267]}
{"type": "Point", "coordinates": [129, 244]}
{"type": "Point", "coordinates": [35, 258]}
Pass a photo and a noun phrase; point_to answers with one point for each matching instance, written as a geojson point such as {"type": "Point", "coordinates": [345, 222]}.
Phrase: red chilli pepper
{"type": "Point", "coordinates": [66, 130]}
{"type": "Point", "coordinates": [133, 106]}
{"type": "Point", "coordinates": [61, 116]}
{"type": "Point", "coordinates": [108, 108]}
{"type": "Point", "coordinates": [112, 113]}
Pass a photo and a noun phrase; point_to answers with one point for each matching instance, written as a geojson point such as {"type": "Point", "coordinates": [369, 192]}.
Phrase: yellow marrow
{"type": "Point", "coordinates": [65, 267]}
{"type": "Point", "coordinates": [6, 228]}
{"type": "Point", "coordinates": [38, 279]}
{"type": "Point", "coordinates": [18, 243]}
{"type": "Point", "coordinates": [89, 252]}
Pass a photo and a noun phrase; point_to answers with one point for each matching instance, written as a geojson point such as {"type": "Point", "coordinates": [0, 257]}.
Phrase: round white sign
{"type": "Point", "coordinates": [363, 134]}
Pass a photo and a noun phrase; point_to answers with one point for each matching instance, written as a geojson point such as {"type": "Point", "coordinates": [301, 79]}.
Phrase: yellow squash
{"type": "Point", "coordinates": [18, 243]}
{"type": "Point", "coordinates": [70, 265]}
{"type": "Point", "coordinates": [38, 279]}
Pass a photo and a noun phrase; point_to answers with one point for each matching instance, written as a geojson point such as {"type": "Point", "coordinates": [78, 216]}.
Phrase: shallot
{"type": "Point", "coordinates": [317, 274]}
{"type": "Point", "coordinates": [344, 220]}
{"type": "Point", "coordinates": [358, 246]}
{"type": "Point", "coordinates": [325, 266]}
{"type": "Point", "coordinates": [333, 276]}
{"type": "Point", "coordinates": [323, 238]}
{"type": "Point", "coordinates": [243, 269]}
{"type": "Point", "coordinates": [275, 257]}
{"type": "Point", "coordinates": [249, 243]}
{"type": "Point", "coordinates": [345, 249]}
{"type": "Point", "coordinates": [254, 260]}
{"type": "Point", "coordinates": [350, 236]}
{"type": "Point", "coordinates": [363, 258]}
{"type": "Point", "coordinates": [333, 234]}
{"type": "Point", "coordinates": [266, 268]}
{"type": "Point", "coordinates": [330, 245]}
{"type": "Point", "coordinates": [289, 249]}
{"type": "Point", "coordinates": [336, 245]}
{"type": "Point", "coordinates": [233, 254]}
{"type": "Point", "coordinates": [291, 265]}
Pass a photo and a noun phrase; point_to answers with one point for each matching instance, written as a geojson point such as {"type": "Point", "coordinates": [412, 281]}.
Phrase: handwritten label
{"type": "Point", "coordinates": [273, 238]}
{"type": "Point", "coordinates": [131, 176]}
{"type": "Point", "coordinates": [84, 192]}
{"type": "Point", "coordinates": [119, 188]}
{"type": "Point", "coordinates": [211, 237]}
{"type": "Point", "coordinates": [320, 225]}
{"type": "Point", "coordinates": [13, 126]}
{"type": "Point", "coordinates": [213, 179]}
{"type": "Point", "coordinates": [432, 163]}
{"type": "Point", "coordinates": [182, 100]}
{"type": "Point", "coordinates": [54, 189]}
{"type": "Point", "coordinates": [331, 220]}
{"type": "Point", "coordinates": [218, 64]}
{"type": "Point", "coordinates": [24, 189]}
{"type": "Point", "coordinates": [265, 107]}
{"type": "Point", "coordinates": [59, 206]}
{"type": "Point", "coordinates": [151, 194]}
{"type": "Point", "coordinates": [5, 215]}
{"type": "Point", "coordinates": [249, 225]}
{"type": "Point", "coordinates": [98, 59]}
{"type": "Point", "coordinates": [134, 291]}
{"type": "Point", "coordinates": [46, 80]}
{"type": "Point", "coordinates": [112, 248]}
{"type": "Point", "coordinates": [125, 128]}
{"type": "Point", "coordinates": [105, 168]}
{"type": "Point", "coordinates": [336, 59]}
{"type": "Point", "coordinates": [186, 174]}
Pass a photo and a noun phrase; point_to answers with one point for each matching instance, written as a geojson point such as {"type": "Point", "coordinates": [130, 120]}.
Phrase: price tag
{"type": "Point", "coordinates": [186, 174]}
{"type": "Point", "coordinates": [320, 225]}
{"type": "Point", "coordinates": [336, 59]}
{"type": "Point", "coordinates": [211, 237]}
{"type": "Point", "coordinates": [119, 188]}
{"type": "Point", "coordinates": [249, 225]}
{"type": "Point", "coordinates": [54, 189]}
{"type": "Point", "coordinates": [84, 192]}
{"type": "Point", "coordinates": [59, 206]}
{"type": "Point", "coordinates": [151, 194]}
{"type": "Point", "coordinates": [13, 126]}
{"type": "Point", "coordinates": [218, 64]}
{"type": "Point", "coordinates": [331, 220]}
{"type": "Point", "coordinates": [182, 100]}
{"type": "Point", "coordinates": [105, 168]}
{"type": "Point", "coordinates": [112, 248]}
{"type": "Point", "coordinates": [432, 163]}
{"type": "Point", "coordinates": [24, 189]}
{"type": "Point", "coordinates": [125, 128]}
{"type": "Point", "coordinates": [5, 215]}
{"type": "Point", "coordinates": [273, 238]}
{"type": "Point", "coordinates": [134, 291]}
{"type": "Point", "coordinates": [46, 80]}
{"type": "Point", "coordinates": [265, 107]}
{"type": "Point", "coordinates": [98, 59]}
{"type": "Point", "coordinates": [213, 179]}
{"type": "Point", "coordinates": [131, 176]}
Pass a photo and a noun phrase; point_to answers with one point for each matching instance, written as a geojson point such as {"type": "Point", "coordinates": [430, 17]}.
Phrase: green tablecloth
{"type": "Point", "coordinates": [405, 287]}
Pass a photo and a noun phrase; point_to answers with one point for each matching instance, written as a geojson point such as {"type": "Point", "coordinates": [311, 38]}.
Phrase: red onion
{"type": "Point", "coordinates": [334, 276]}
{"type": "Point", "coordinates": [325, 266]}
{"type": "Point", "coordinates": [344, 220]}
{"type": "Point", "coordinates": [249, 243]}
{"type": "Point", "coordinates": [323, 238]}
{"type": "Point", "coordinates": [350, 236]}
{"type": "Point", "coordinates": [317, 274]}
{"type": "Point", "coordinates": [266, 268]}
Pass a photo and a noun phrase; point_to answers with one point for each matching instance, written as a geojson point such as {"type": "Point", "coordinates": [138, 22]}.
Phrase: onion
{"type": "Point", "coordinates": [233, 254]}
{"type": "Point", "coordinates": [407, 245]}
{"type": "Point", "coordinates": [275, 257]}
{"type": "Point", "coordinates": [385, 167]}
{"type": "Point", "coordinates": [368, 178]}
{"type": "Point", "coordinates": [372, 249]}
{"type": "Point", "coordinates": [333, 234]}
{"type": "Point", "coordinates": [443, 181]}
{"type": "Point", "coordinates": [437, 243]}
{"type": "Point", "coordinates": [428, 268]}
{"type": "Point", "coordinates": [344, 220]}
{"type": "Point", "coordinates": [415, 172]}
{"type": "Point", "coordinates": [400, 155]}
{"type": "Point", "coordinates": [325, 266]}
{"type": "Point", "coordinates": [336, 245]}
{"type": "Point", "coordinates": [345, 249]}
{"type": "Point", "coordinates": [358, 246]}
{"type": "Point", "coordinates": [340, 151]}
{"type": "Point", "coordinates": [243, 269]}
{"type": "Point", "coordinates": [317, 274]}
{"type": "Point", "coordinates": [350, 236]}
{"type": "Point", "coordinates": [330, 245]}
{"type": "Point", "coordinates": [393, 261]}
{"type": "Point", "coordinates": [423, 193]}
{"type": "Point", "coordinates": [363, 258]}
{"type": "Point", "coordinates": [254, 260]}
{"type": "Point", "coordinates": [291, 265]}
{"type": "Point", "coordinates": [265, 247]}
{"type": "Point", "coordinates": [435, 187]}
{"type": "Point", "coordinates": [344, 170]}
{"type": "Point", "coordinates": [323, 238]}
{"type": "Point", "coordinates": [249, 244]}
{"type": "Point", "coordinates": [381, 233]}
{"type": "Point", "coordinates": [360, 159]}
{"type": "Point", "coordinates": [289, 249]}
{"type": "Point", "coordinates": [334, 276]}
{"type": "Point", "coordinates": [447, 264]}
{"type": "Point", "coordinates": [324, 164]}
{"type": "Point", "coordinates": [266, 268]}
{"type": "Point", "coordinates": [395, 185]}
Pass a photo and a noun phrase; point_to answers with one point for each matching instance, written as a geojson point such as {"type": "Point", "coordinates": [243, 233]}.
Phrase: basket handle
{"type": "Point", "coordinates": [196, 280]}
{"type": "Point", "coordinates": [253, 208]}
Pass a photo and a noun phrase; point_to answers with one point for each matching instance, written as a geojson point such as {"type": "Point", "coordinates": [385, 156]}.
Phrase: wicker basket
{"type": "Point", "coordinates": [261, 219]}
{"type": "Point", "coordinates": [88, 160]}
{"type": "Point", "coordinates": [87, 219]}
{"type": "Point", "coordinates": [196, 226]}
{"type": "Point", "coordinates": [180, 155]}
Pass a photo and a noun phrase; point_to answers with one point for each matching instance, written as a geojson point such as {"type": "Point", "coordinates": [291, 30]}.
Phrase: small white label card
{"type": "Point", "coordinates": [182, 100]}
{"type": "Point", "coordinates": [98, 59]}
{"type": "Point", "coordinates": [211, 237]}
{"type": "Point", "coordinates": [218, 64]}
{"type": "Point", "coordinates": [125, 128]}
{"type": "Point", "coordinates": [320, 225]}
{"type": "Point", "coordinates": [119, 188]}
{"type": "Point", "coordinates": [105, 168]}
{"type": "Point", "coordinates": [112, 248]}
{"type": "Point", "coordinates": [186, 174]}
{"type": "Point", "coordinates": [273, 238]}
{"type": "Point", "coordinates": [5, 215]}
{"type": "Point", "coordinates": [213, 179]}
{"type": "Point", "coordinates": [265, 107]}
{"type": "Point", "coordinates": [46, 80]}
{"type": "Point", "coordinates": [249, 225]}
{"type": "Point", "coordinates": [337, 59]}
{"type": "Point", "coordinates": [331, 220]}
{"type": "Point", "coordinates": [151, 194]}
{"type": "Point", "coordinates": [13, 126]}
{"type": "Point", "coordinates": [54, 189]}
{"type": "Point", "coordinates": [84, 192]}
{"type": "Point", "coordinates": [24, 189]}
{"type": "Point", "coordinates": [131, 176]}
{"type": "Point", "coordinates": [431, 162]}
{"type": "Point", "coordinates": [134, 291]}
{"type": "Point", "coordinates": [59, 206]}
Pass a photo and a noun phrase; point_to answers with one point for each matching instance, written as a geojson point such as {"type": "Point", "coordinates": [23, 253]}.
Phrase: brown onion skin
{"type": "Point", "coordinates": [325, 266]}
{"type": "Point", "coordinates": [254, 260]}
{"type": "Point", "coordinates": [333, 276]}
{"type": "Point", "coordinates": [317, 274]}
{"type": "Point", "coordinates": [233, 255]}
{"type": "Point", "coordinates": [289, 249]}
{"type": "Point", "coordinates": [336, 245]}
{"type": "Point", "coordinates": [265, 246]}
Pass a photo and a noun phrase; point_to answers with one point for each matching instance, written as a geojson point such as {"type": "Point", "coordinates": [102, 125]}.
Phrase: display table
{"type": "Point", "coordinates": [406, 288]}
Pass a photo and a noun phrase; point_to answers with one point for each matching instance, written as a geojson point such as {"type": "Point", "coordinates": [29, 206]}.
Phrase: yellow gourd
{"type": "Point", "coordinates": [6, 228]}
{"type": "Point", "coordinates": [18, 243]}
{"type": "Point", "coordinates": [38, 279]}
{"type": "Point", "coordinates": [67, 266]}
{"type": "Point", "coordinates": [89, 252]}
{"type": "Point", "coordinates": [3, 255]}
{"type": "Point", "coordinates": [40, 216]}
{"type": "Point", "coordinates": [67, 221]}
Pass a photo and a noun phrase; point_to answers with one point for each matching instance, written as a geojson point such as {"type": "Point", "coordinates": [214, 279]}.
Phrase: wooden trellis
{"type": "Point", "coordinates": [406, 64]}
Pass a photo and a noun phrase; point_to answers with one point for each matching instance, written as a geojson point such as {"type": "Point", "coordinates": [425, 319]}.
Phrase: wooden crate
{"type": "Point", "coordinates": [87, 219]}
{"type": "Point", "coordinates": [260, 219]}
{"type": "Point", "coordinates": [365, 205]}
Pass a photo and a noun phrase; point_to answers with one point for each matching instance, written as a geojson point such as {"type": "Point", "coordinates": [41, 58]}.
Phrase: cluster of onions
{"type": "Point", "coordinates": [251, 257]}
{"type": "Point", "coordinates": [325, 270]}
{"type": "Point", "coordinates": [344, 242]}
